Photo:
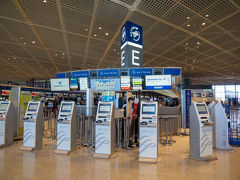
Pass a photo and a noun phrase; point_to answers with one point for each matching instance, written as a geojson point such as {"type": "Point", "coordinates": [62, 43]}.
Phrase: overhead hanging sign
{"type": "Point", "coordinates": [158, 82]}
{"type": "Point", "coordinates": [140, 72]}
{"type": "Point", "coordinates": [131, 45]}
{"type": "Point", "coordinates": [125, 83]}
{"type": "Point", "coordinates": [105, 84]}
{"type": "Point", "coordinates": [59, 84]}
{"type": "Point", "coordinates": [108, 72]}
{"type": "Point", "coordinates": [77, 74]}
{"type": "Point", "coordinates": [73, 83]}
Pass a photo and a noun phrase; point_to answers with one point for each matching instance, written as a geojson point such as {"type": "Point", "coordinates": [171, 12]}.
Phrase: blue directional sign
{"type": "Point", "coordinates": [173, 71]}
{"type": "Point", "coordinates": [108, 72]}
{"type": "Point", "coordinates": [61, 75]}
{"type": "Point", "coordinates": [132, 33]}
{"type": "Point", "coordinates": [77, 74]}
{"type": "Point", "coordinates": [140, 72]}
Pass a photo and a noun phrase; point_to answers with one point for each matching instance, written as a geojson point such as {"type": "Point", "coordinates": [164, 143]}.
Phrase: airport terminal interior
{"type": "Point", "coordinates": [119, 89]}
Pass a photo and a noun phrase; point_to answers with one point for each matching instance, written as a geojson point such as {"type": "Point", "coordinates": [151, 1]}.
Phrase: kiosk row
{"type": "Point", "coordinates": [201, 129]}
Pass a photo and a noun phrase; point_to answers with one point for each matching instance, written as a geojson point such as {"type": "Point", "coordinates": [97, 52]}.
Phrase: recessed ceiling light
{"type": "Point", "coordinates": [63, 54]}
{"type": "Point", "coordinates": [99, 27]}
{"type": "Point", "coordinates": [203, 24]}
{"type": "Point", "coordinates": [86, 29]}
{"type": "Point", "coordinates": [198, 42]}
{"type": "Point", "coordinates": [206, 15]}
{"type": "Point", "coordinates": [114, 49]}
{"type": "Point", "coordinates": [44, 1]}
{"type": "Point", "coordinates": [194, 61]}
{"type": "Point", "coordinates": [106, 34]}
{"type": "Point", "coordinates": [188, 25]}
{"type": "Point", "coordinates": [191, 67]}
{"type": "Point", "coordinates": [33, 42]}
{"type": "Point", "coordinates": [188, 17]}
{"type": "Point", "coordinates": [55, 54]}
{"type": "Point", "coordinates": [95, 35]}
{"type": "Point", "coordinates": [14, 58]}
{"type": "Point", "coordinates": [24, 43]}
{"type": "Point", "coordinates": [186, 44]}
{"type": "Point", "coordinates": [21, 37]}
{"type": "Point", "coordinates": [8, 58]}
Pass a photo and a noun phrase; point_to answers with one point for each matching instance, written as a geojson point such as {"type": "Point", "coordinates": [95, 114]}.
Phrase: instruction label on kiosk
{"type": "Point", "coordinates": [63, 137]}
{"type": "Point", "coordinates": [2, 131]}
{"type": "Point", "coordinates": [29, 134]}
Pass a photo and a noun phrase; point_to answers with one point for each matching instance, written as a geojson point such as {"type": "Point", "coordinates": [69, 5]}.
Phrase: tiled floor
{"type": "Point", "coordinates": [174, 163]}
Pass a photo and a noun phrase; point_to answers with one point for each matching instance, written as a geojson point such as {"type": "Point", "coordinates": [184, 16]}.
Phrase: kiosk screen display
{"type": "Point", "coordinates": [66, 107]}
{"type": "Point", "coordinates": [3, 106]}
{"type": "Point", "coordinates": [33, 107]}
{"type": "Point", "coordinates": [202, 109]}
{"type": "Point", "coordinates": [105, 108]}
{"type": "Point", "coordinates": [149, 109]}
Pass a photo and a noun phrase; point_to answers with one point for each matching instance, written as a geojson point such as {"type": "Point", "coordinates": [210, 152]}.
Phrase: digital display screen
{"type": "Point", "coordinates": [33, 107]}
{"type": "Point", "coordinates": [125, 83]}
{"type": "Point", "coordinates": [202, 109]}
{"type": "Point", "coordinates": [3, 106]}
{"type": "Point", "coordinates": [158, 82]}
{"type": "Point", "coordinates": [137, 83]}
{"type": "Point", "coordinates": [66, 107]}
{"type": "Point", "coordinates": [73, 83]}
{"type": "Point", "coordinates": [59, 84]}
{"type": "Point", "coordinates": [83, 82]}
{"type": "Point", "coordinates": [105, 108]}
{"type": "Point", "coordinates": [149, 109]}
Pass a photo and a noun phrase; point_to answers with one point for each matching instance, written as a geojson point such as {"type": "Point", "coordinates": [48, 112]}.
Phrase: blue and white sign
{"type": "Point", "coordinates": [2, 132]}
{"type": "Point", "coordinates": [59, 84]}
{"type": "Point", "coordinates": [77, 74]}
{"type": "Point", "coordinates": [157, 82]}
{"type": "Point", "coordinates": [132, 33]}
{"type": "Point", "coordinates": [188, 104]}
{"type": "Point", "coordinates": [140, 72]}
{"type": "Point", "coordinates": [173, 71]}
{"type": "Point", "coordinates": [61, 75]}
{"type": "Point", "coordinates": [29, 134]}
{"type": "Point", "coordinates": [63, 137]}
{"type": "Point", "coordinates": [108, 72]}
{"type": "Point", "coordinates": [105, 84]}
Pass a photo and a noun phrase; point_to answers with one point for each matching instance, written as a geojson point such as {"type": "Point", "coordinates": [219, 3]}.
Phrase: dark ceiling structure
{"type": "Point", "coordinates": [39, 38]}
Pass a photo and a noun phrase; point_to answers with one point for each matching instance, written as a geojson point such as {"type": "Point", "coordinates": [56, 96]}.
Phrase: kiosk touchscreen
{"type": "Point", "coordinates": [148, 132]}
{"type": "Point", "coordinates": [33, 126]}
{"type": "Point", "coordinates": [220, 128]}
{"type": "Point", "coordinates": [201, 144]}
{"type": "Point", "coordinates": [66, 128]}
{"type": "Point", "coordinates": [6, 123]}
{"type": "Point", "coordinates": [104, 132]}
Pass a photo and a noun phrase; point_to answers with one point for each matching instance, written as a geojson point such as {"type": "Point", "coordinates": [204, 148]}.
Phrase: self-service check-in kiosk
{"type": "Point", "coordinates": [201, 143]}
{"type": "Point", "coordinates": [66, 128]}
{"type": "Point", "coordinates": [33, 126]}
{"type": "Point", "coordinates": [104, 130]}
{"type": "Point", "coordinates": [148, 132]}
{"type": "Point", "coordinates": [6, 123]}
{"type": "Point", "coordinates": [220, 128]}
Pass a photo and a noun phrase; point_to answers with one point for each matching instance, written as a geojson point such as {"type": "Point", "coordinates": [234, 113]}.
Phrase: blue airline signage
{"type": "Point", "coordinates": [61, 75]}
{"type": "Point", "coordinates": [77, 74]}
{"type": "Point", "coordinates": [108, 72]}
{"type": "Point", "coordinates": [132, 33]}
{"type": "Point", "coordinates": [140, 72]}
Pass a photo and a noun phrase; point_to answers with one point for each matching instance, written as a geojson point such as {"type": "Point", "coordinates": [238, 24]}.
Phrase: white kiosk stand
{"type": "Point", "coordinates": [148, 132]}
{"type": "Point", "coordinates": [104, 132]}
{"type": "Point", "coordinates": [33, 126]}
{"type": "Point", "coordinates": [220, 128]}
{"type": "Point", "coordinates": [66, 128]}
{"type": "Point", "coordinates": [6, 123]}
{"type": "Point", "coordinates": [201, 144]}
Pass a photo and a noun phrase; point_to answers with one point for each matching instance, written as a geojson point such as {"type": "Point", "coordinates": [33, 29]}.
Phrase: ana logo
{"type": "Point", "coordinates": [134, 33]}
{"type": "Point", "coordinates": [123, 36]}
{"type": "Point", "coordinates": [59, 82]}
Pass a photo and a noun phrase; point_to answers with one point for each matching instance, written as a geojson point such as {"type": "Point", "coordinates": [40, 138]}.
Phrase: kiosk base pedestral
{"type": "Point", "coordinates": [205, 159]}
{"type": "Point", "coordinates": [147, 160]}
{"type": "Point", "coordinates": [23, 148]}
{"type": "Point", "coordinates": [102, 156]}
{"type": "Point", "coordinates": [224, 149]}
{"type": "Point", "coordinates": [61, 152]}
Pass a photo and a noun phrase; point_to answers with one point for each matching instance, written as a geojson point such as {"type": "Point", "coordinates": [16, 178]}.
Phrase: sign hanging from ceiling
{"type": "Point", "coordinates": [131, 45]}
{"type": "Point", "coordinates": [83, 83]}
{"type": "Point", "coordinates": [105, 84]}
{"type": "Point", "coordinates": [137, 82]}
{"type": "Point", "coordinates": [158, 82]}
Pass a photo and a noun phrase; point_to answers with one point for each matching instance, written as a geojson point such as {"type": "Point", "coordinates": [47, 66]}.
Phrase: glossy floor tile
{"type": "Point", "coordinates": [173, 163]}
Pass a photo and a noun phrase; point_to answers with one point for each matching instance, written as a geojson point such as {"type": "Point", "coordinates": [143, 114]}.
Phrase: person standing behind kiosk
{"type": "Point", "coordinates": [55, 107]}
